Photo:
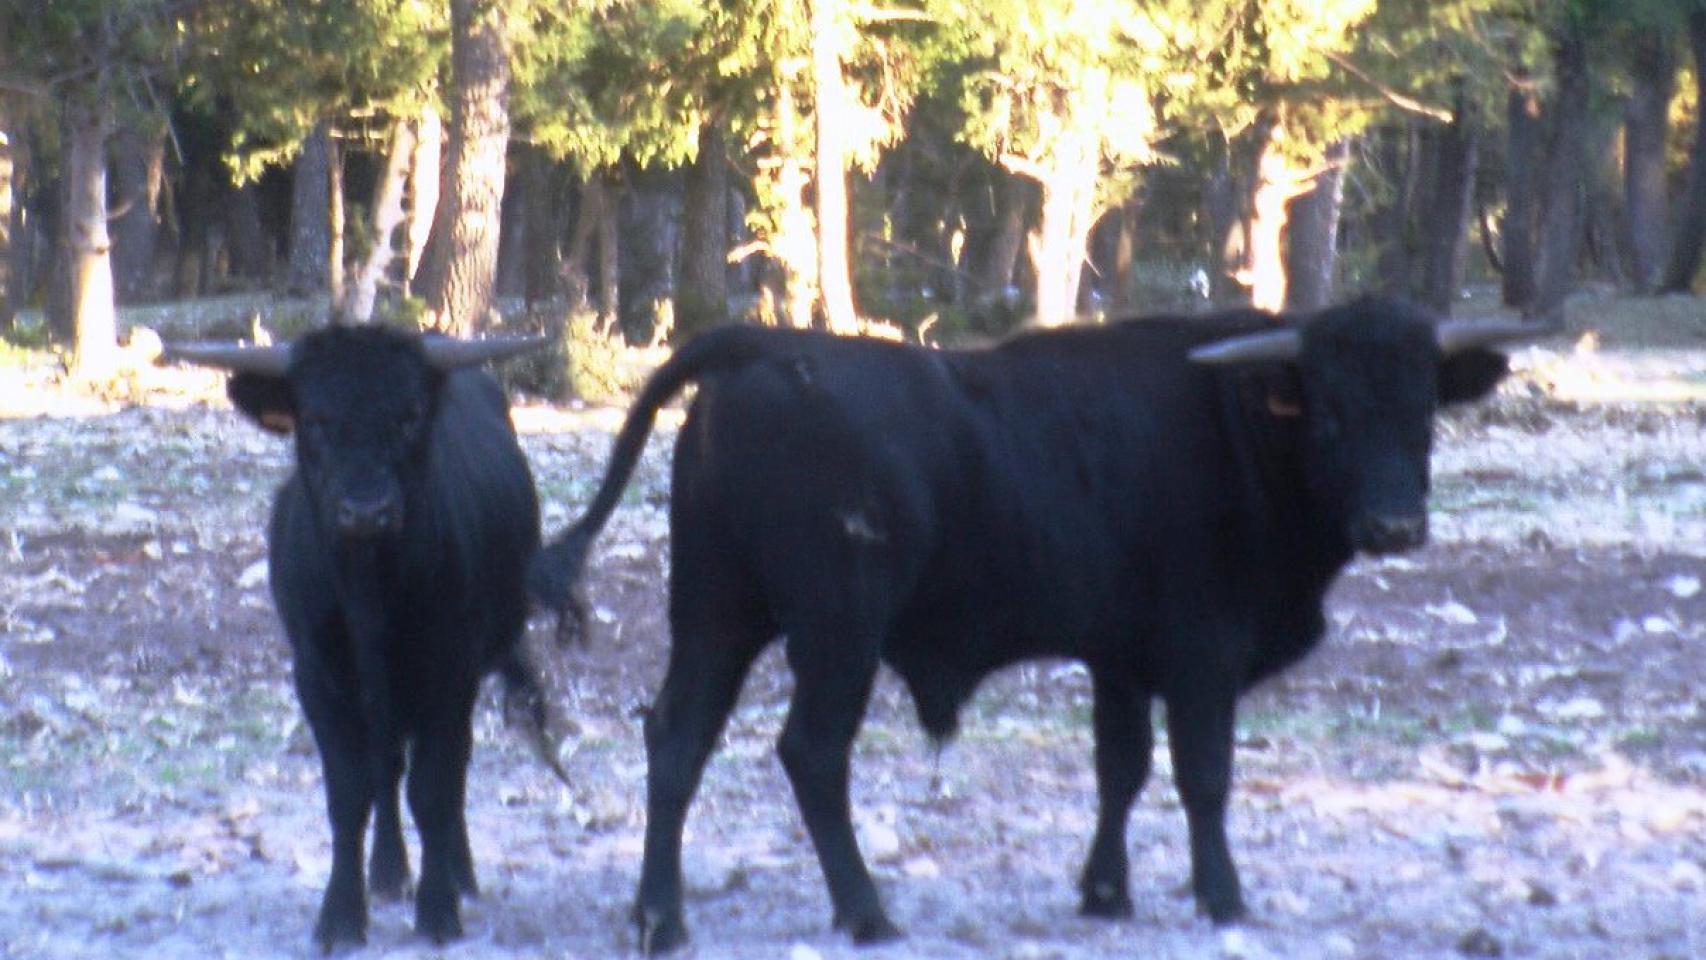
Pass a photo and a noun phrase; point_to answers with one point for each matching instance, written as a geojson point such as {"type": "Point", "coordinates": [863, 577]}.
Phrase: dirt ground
{"type": "Point", "coordinates": [1499, 751]}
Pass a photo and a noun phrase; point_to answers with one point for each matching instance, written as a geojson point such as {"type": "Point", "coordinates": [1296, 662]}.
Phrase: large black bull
{"type": "Point", "coordinates": [1165, 500]}
{"type": "Point", "coordinates": [398, 549]}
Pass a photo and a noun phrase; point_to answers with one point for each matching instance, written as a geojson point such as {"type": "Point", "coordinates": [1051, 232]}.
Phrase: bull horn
{"type": "Point", "coordinates": [272, 360]}
{"type": "Point", "coordinates": [1269, 345]}
{"type": "Point", "coordinates": [449, 353]}
{"type": "Point", "coordinates": [1455, 336]}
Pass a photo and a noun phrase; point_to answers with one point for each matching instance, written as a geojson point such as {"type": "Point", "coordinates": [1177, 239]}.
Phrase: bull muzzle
{"type": "Point", "coordinates": [363, 517]}
{"type": "Point", "coordinates": [1383, 533]}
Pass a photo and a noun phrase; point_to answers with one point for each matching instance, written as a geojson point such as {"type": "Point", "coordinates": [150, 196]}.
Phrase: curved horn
{"type": "Point", "coordinates": [1455, 336]}
{"type": "Point", "coordinates": [271, 361]}
{"type": "Point", "coordinates": [449, 353]}
{"type": "Point", "coordinates": [1268, 345]}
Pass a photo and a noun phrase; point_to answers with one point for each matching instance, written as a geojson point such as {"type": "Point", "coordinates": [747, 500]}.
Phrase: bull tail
{"type": "Point", "coordinates": [555, 573]}
{"type": "Point", "coordinates": [526, 710]}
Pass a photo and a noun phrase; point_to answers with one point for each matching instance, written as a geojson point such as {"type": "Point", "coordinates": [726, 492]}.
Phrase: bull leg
{"type": "Point", "coordinates": [816, 744]}
{"type": "Point", "coordinates": [1124, 743]}
{"type": "Point", "coordinates": [699, 689]}
{"type": "Point", "coordinates": [437, 779]}
{"type": "Point", "coordinates": [341, 740]}
{"type": "Point", "coordinates": [1200, 727]}
{"type": "Point", "coordinates": [388, 863]}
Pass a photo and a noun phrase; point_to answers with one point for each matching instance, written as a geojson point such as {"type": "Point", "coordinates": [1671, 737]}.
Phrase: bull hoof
{"type": "Point", "coordinates": [338, 929]}
{"type": "Point", "coordinates": [869, 930]}
{"type": "Point", "coordinates": [437, 917]}
{"type": "Point", "coordinates": [660, 931]}
{"type": "Point", "coordinates": [1106, 902]}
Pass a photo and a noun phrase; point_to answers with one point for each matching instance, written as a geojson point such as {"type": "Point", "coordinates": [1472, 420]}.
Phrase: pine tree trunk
{"type": "Point", "coordinates": [1400, 157]}
{"type": "Point", "coordinates": [310, 224]}
{"type": "Point", "coordinates": [424, 178]}
{"type": "Point", "coordinates": [1518, 231]}
{"type": "Point", "coordinates": [515, 230]}
{"type": "Point", "coordinates": [1313, 238]}
{"type": "Point", "coordinates": [1445, 231]}
{"type": "Point", "coordinates": [249, 246]}
{"type": "Point", "coordinates": [608, 239]}
{"type": "Point", "coordinates": [1276, 184]}
{"type": "Point", "coordinates": [995, 277]}
{"type": "Point", "coordinates": [1561, 179]}
{"type": "Point", "coordinates": [830, 113]}
{"type": "Point", "coordinates": [363, 293]}
{"type": "Point", "coordinates": [94, 319]}
{"type": "Point", "coordinates": [577, 261]}
{"type": "Point", "coordinates": [1646, 127]}
{"type": "Point", "coordinates": [459, 268]}
{"type": "Point", "coordinates": [794, 245]}
{"type": "Point", "coordinates": [138, 171]}
{"type": "Point", "coordinates": [702, 291]}
{"type": "Point", "coordinates": [1690, 237]}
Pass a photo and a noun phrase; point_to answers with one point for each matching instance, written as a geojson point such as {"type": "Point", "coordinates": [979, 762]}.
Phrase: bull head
{"type": "Point", "coordinates": [361, 402]}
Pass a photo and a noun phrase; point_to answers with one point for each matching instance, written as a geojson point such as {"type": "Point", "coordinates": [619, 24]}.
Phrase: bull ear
{"type": "Point", "coordinates": [1470, 374]}
{"type": "Point", "coordinates": [264, 399]}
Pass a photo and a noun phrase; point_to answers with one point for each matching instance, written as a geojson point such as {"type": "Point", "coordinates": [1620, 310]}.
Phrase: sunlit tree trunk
{"type": "Point", "coordinates": [428, 131]}
{"type": "Point", "coordinates": [94, 320]}
{"type": "Point", "coordinates": [1067, 173]}
{"type": "Point", "coordinates": [1313, 238]}
{"type": "Point", "coordinates": [1690, 238]}
{"type": "Point", "coordinates": [363, 290]}
{"type": "Point", "coordinates": [459, 268]}
{"type": "Point", "coordinates": [830, 116]}
{"type": "Point", "coordinates": [9, 202]}
{"type": "Point", "coordinates": [1646, 128]}
{"type": "Point", "coordinates": [794, 244]}
{"type": "Point", "coordinates": [1277, 183]}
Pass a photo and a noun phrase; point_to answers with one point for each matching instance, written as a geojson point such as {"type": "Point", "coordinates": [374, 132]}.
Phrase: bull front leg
{"type": "Point", "coordinates": [338, 733]}
{"type": "Point", "coordinates": [1124, 744]}
{"type": "Point", "coordinates": [1200, 727]}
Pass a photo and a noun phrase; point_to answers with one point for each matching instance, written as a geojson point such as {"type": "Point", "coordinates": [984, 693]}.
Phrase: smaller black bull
{"type": "Point", "coordinates": [1165, 500]}
{"type": "Point", "coordinates": [398, 550]}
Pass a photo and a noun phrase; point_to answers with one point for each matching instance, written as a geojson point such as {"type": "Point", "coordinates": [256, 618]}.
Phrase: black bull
{"type": "Point", "coordinates": [397, 548]}
{"type": "Point", "coordinates": [1166, 500]}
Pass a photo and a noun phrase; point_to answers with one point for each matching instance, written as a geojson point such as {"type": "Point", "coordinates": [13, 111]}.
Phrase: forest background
{"type": "Point", "coordinates": [939, 169]}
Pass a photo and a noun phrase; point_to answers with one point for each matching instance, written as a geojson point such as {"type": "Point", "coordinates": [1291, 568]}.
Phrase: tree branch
{"type": "Point", "coordinates": [1395, 97]}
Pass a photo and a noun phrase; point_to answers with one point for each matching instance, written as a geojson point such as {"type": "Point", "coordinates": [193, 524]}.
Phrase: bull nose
{"type": "Point", "coordinates": [1390, 533]}
{"type": "Point", "coordinates": [365, 518]}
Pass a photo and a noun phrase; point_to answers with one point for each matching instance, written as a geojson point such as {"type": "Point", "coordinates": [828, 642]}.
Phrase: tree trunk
{"type": "Point", "coordinates": [423, 189]}
{"type": "Point", "coordinates": [10, 201]}
{"type": "Point", "coordinates": [94, 319]}
{"type": "Point", "coordinates": [1313, 237]}
{"type": "Point", "coordinates": [577, 261]}
{"type": "Point", "coordinates": [1561, 179]}
{"type": "Point", "coordinates": [335, 224]}
{"type": "Point", "coordinates": [363, 292]}
{"type": "Point", "coordinates": [515, 229]}
{"type": "Point", "coordinates": [1646, 127]}
{"type": "Point", "coordinates": [995, 277]}
{"type": "Point", "coordinates": [138, 171]}
{"type": "Point", "coordinates": [702, 290]}
{"type": "Point", "coordinates": [1276, 185]}
{"type": "Point", "coordinates": [1068, 176]}
{"type": "Point", "coordinates": [1445, 231]}
{"type": "Point", "coordinates": [460, 264]}
{"type": "Point", "coordinates": [1220, 215]}
{"type": "Point", "coordinates": [1690, 238]}
{"type": "Point", "coordinates": [793, 246]}
{"type": "Point", "coordinates": [1400, 157]}
{"type": "Point", "coordinates": [250, 248]}
{"type": "Point", "coordinates": [830, 113]}
{"type": "Point", "coordinates": [1124, 298]}
{"type": "Point", "coordinates": [648, 229]}
{"type": "Point", "coordinates": [310, 224]}
{"type": "Point", "coordinates": [608, 239]}
{"type": "Point", "coordinates": [1522, 206]}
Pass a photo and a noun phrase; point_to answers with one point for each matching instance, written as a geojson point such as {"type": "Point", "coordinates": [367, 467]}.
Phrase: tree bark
{"type": "Point", "coordinates": [363, 292]}
{"type": "Point", "coordinates": [577, 260]}
{"type": "Point", "coordinates": [94, 319]}
{"type": "Point", "coordinates": [995, 277]}
{"type": "Point", "coordinates": [835, 282]}
{"type": "Point", "coordinates": [1690, 237]}
{"type": "Point", "coordinates": [459, 267]}
{"type": "Point", "coordinates": [1445, 231]}
{"type": "Point", "coordinates": [423, 189]}
{"type": "Point", "coordinates": [1646, 126]}
{"type": "Point", "coordinates": [249, 247]}
{"type": "Point", "coordinates": [793, 246]}
{"type": "Point", "coordinates": [1520, 226]}
{"type": "Point", "coordinates": [1276, 185]}
{"type": "Point", "coordinates": [1068, 174]}
{"type": "Point", "coordinates": [10, 201]}
{"type": "Point", "coordinates": [608, 239]}
{"type": "Point", "coordinates": [310, 222]}
{"type": "Point", "coordinates": [1561, 179]}
{"type": "Point", "coordinates": [515, 229]}
{"type": "Point", "coordinates": [1313, 236]}
{"type": "Point", "coordinates": [702, 290]}
{"type": "Point", "coordinates": [138, 171]}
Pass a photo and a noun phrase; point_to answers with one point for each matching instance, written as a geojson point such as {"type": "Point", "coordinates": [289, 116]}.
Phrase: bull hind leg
{"type": "Point", "coordinates": [1124, 744]}
{"type": "Point", "coordinates": [1200, 728]}
{"type": "Point", "coordinates": [709, 659]}
{"type": "Point", "coordinates": [832, 682]}
{"type": "Point", "coordinates": [437, 794]}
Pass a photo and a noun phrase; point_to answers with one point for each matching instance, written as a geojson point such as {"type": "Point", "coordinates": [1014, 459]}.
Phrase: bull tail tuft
{"type": "Point", "coordinates": [527, 712]}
